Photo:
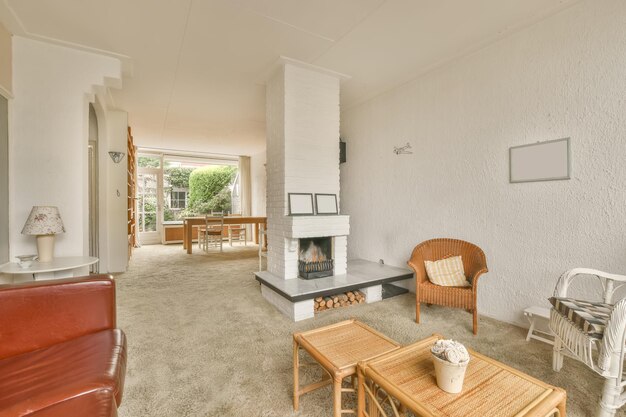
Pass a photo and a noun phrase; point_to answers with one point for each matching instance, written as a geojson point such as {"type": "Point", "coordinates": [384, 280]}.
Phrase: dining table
{"type": "Point", "coordinates": [190, 222]}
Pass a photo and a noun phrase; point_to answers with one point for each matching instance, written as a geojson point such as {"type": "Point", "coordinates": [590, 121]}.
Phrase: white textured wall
{"type": "Point", "coordinates": [4, 180]}
{"type": "Point", "coordinates": [117, 205]}
{"type": "Point", "coordinates": [113, 239]}
{"type": "Point", "coordinates": [6, 66]}
{"type": "Point", "coordinates": [52, 86]}
{"type": "Point", "coordinates": [563, 77]}
{"type": "Point", "coordinates": [6, 62]}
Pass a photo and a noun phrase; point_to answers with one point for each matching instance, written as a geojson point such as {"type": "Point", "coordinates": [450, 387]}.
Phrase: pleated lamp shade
{"type": "Point", "coordinates": [45, 222]}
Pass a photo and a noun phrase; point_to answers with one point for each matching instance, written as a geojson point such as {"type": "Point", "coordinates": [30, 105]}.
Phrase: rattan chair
{"type": "Point", "coordinates": [582, 327]}
{"type": "Point", "coordinates": [474, 264]}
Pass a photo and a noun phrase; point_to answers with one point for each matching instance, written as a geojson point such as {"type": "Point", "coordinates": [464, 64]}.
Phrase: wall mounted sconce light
{"type": "Point", "coordinates": [116, 156]}
{"type": "Point", "coordinates": [402, 150]}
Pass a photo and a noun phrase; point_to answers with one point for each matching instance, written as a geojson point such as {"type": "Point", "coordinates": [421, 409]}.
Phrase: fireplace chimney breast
{"type": "Point", "coordinates": [302, 157]}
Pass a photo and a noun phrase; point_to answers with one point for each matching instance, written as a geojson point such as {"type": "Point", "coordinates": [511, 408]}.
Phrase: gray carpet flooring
{"type": "Point", "coordinates": [203, 342]}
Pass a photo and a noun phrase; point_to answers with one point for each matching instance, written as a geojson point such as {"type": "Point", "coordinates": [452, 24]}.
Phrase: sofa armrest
{"type": "Point", "coordinates": [39, 314]}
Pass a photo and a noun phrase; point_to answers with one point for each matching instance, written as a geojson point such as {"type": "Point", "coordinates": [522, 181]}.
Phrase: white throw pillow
{"type": "Point", "coordinates": [447, 272]}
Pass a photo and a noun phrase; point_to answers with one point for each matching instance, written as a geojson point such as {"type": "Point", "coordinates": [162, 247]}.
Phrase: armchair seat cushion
{"type": "Point", "coordinates": [78, 377]}
{"type": "Point", "coordinates": [590, 317]}
{"type": "Point", "coordinates": [447, 272]}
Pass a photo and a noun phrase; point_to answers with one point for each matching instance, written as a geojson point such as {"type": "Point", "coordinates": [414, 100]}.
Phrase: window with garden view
{"type": "Point", "coordinates": [189, 187]}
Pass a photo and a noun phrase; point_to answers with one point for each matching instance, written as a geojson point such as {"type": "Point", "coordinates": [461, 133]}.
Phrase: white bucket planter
{"type": "Point", "coordinates": [449, 375]}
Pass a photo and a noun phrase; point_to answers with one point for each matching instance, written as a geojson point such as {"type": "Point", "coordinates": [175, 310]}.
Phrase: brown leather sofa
{"type": "Point", "coordinates": [60, 352]}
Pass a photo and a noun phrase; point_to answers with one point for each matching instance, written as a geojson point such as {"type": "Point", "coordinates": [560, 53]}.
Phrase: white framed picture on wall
{"type": "Point", "coordinates": [541, 161]}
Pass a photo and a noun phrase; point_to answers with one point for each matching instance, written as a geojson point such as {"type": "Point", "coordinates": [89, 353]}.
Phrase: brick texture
{"type": "Point", "coordinates": [302, 157]}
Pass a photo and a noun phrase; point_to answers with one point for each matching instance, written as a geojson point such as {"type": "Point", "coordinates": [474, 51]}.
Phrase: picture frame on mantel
{"type": "Point", "coordinates": [300, 204]}
{"type": "Point", "coordinates": [326, 204]}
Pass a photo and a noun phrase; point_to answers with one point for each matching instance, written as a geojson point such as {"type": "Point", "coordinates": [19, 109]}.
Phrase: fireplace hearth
{"type": "Point", "coordinates": [315, 258]}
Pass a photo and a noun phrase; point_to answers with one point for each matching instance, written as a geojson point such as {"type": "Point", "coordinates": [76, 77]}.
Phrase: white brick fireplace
{"type": "Point", "coordinates": [302, 157]}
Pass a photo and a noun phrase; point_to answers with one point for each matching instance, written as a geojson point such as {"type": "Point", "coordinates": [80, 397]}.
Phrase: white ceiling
{"type": "Point", "coordinates": [197, 65]}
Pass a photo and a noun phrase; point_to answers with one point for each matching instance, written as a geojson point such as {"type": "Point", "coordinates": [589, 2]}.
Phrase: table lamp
{"type": "Point", "coordinates": [45, 222]}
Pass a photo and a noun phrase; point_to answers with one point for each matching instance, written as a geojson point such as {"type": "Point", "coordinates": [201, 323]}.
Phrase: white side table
{"type": "Point", "coordinates": [539, 315]}
{"type": "Point", "coordinates": [61, 267]}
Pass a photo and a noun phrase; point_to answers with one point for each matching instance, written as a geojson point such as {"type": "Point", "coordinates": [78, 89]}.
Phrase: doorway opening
{"type": "Point", "coordinates": [171, 187]}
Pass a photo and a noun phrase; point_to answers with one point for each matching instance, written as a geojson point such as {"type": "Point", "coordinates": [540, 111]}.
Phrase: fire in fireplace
{"type": "Point", "coordinates": [315, 257]}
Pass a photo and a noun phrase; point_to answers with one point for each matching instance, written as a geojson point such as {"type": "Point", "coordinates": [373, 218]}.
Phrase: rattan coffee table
{"type": "Point", "coordinates": [405, 378]}
{"type": "Point", "coordinates": [337, 349]}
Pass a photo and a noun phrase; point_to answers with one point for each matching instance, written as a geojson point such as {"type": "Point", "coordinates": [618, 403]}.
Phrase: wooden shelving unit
{"type": "Point", "coordinates": [132, 191]}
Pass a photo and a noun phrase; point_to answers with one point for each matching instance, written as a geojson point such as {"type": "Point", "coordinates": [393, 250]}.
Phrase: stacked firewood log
{"type": "Point", "coordinates": [340, 300]}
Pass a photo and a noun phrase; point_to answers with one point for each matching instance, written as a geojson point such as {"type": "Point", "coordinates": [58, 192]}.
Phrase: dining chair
{"type": "Point", "coordinates": [211, 233]}
{"type": "Point", "coordinates": [237, 232]}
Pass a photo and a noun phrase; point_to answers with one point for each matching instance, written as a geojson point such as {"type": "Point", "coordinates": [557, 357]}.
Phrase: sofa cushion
{"type": "Point", "coordinates": [447, 272]}
{"type": "Point", "coordinates": [590, 317]}
{"type": "Point", "coordinates": [79, 377]}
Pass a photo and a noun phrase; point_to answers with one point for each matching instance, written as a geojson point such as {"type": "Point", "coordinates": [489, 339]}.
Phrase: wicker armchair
{"type": "Point", "coordinates": [583, 327]}
{"type": "Point", "coordinates": [474, 264]}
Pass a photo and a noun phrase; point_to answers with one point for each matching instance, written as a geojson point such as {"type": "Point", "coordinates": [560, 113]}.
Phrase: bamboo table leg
{"type": "Point", "coordinates": [561, 408]}
{"type": "Point", "coordinates": [296, 366]}
{"type": "Point", "coordinates": [189, 238]}
{"type": "Point", "coordinates": [337, 396]}
{"type": "Point", "coordinates": [184, 234]}
{"type": "Point", "coordinates": [300, 390]}
{"type": "Point", "coordinates": [335, 375]}
{"type": "Point", "coordinates": [360, 394]}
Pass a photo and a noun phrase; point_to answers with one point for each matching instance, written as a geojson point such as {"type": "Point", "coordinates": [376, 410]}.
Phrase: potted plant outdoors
{"type": "Point", "coordinates": [450, 359]}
